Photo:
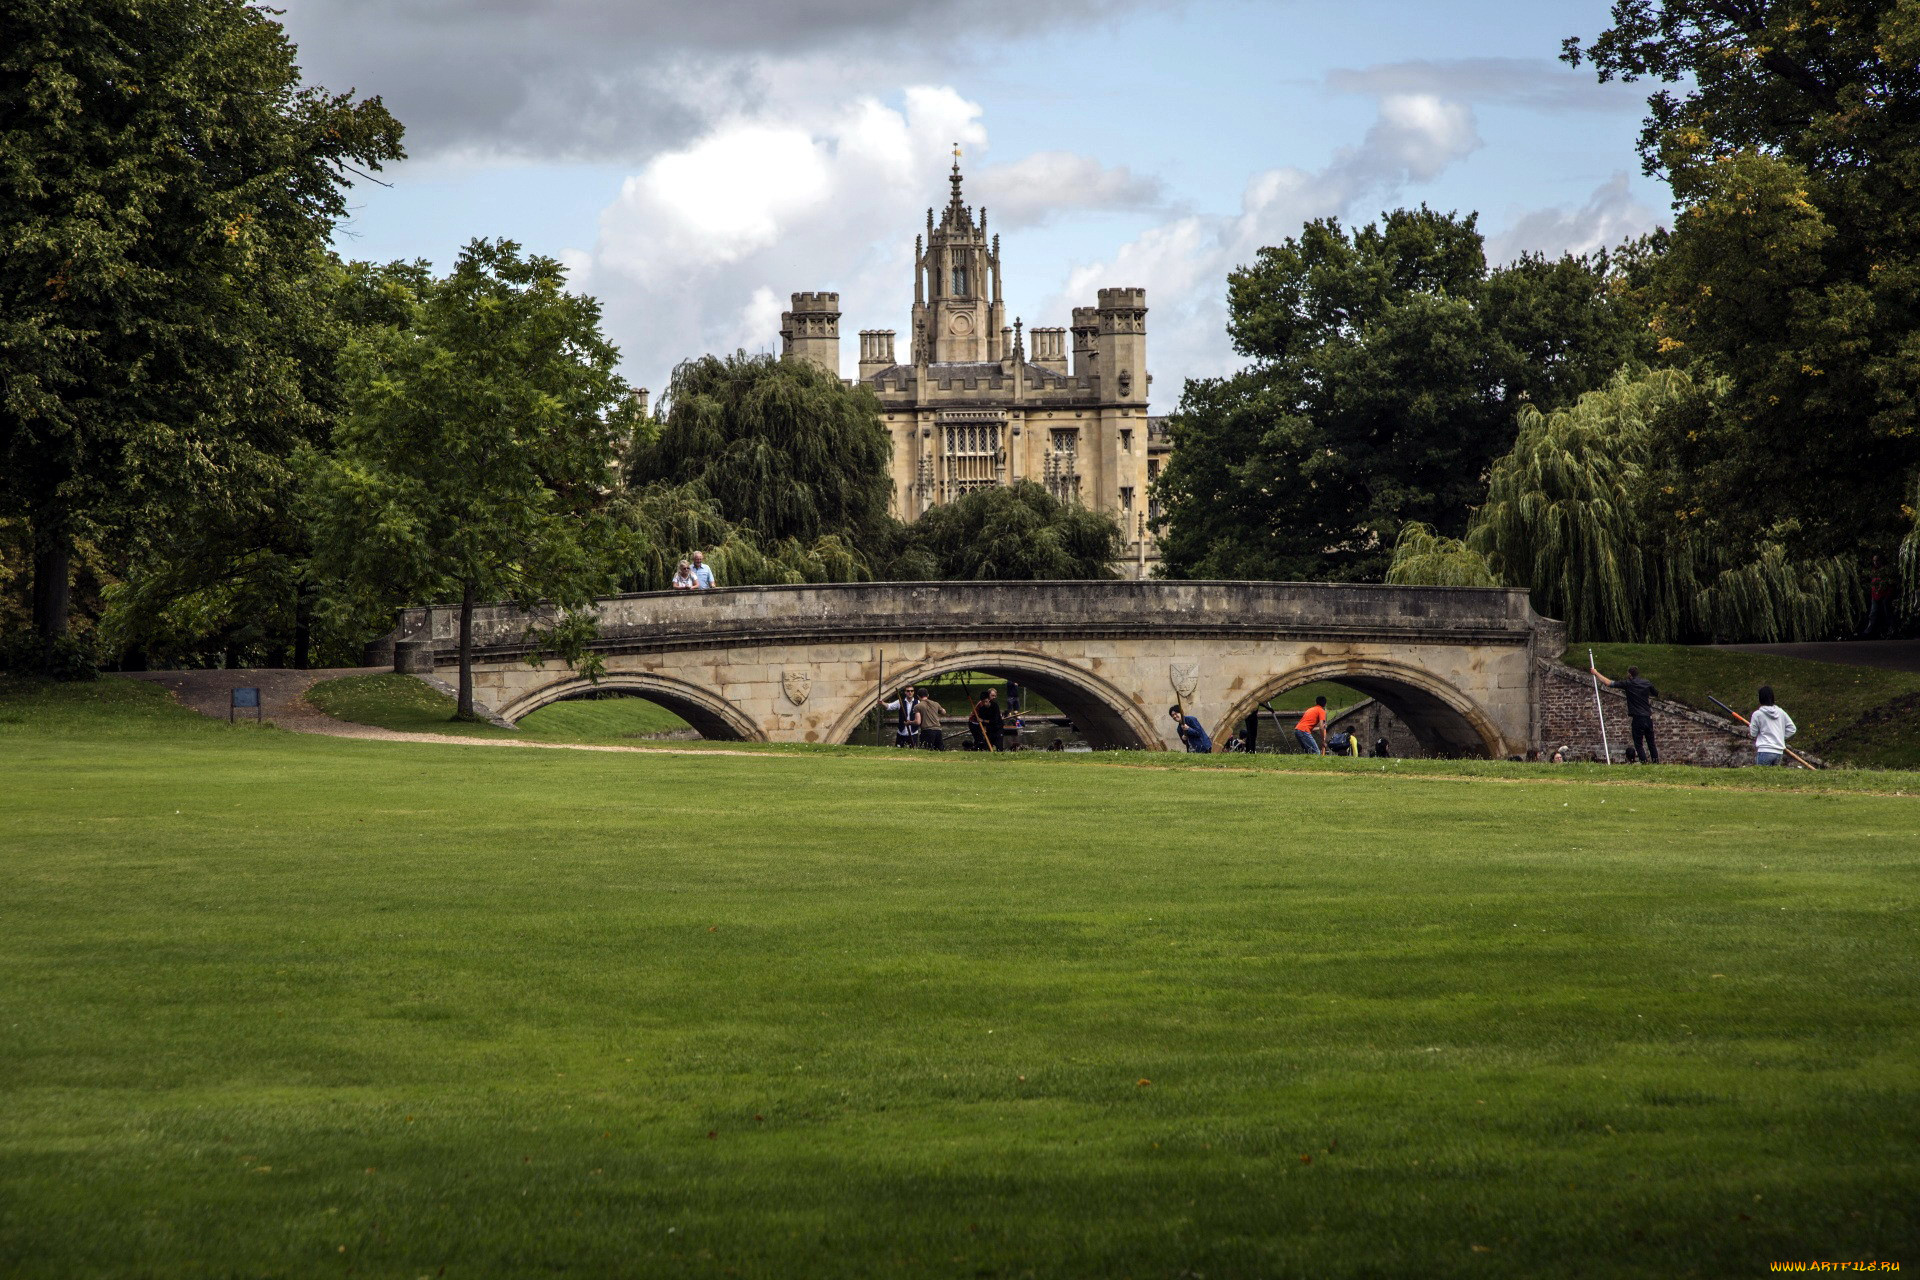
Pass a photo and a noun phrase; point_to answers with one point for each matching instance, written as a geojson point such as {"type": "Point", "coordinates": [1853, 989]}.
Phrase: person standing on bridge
{"type": "Point", "coordinates": [1639, 694]}
{"type": "Point", "coordinates": [1192, 733]}
{"type": "Point", "coordinates": [683, 577]}
{"type": "Point", "coordinates": [702, 576]}
{"type": "Point", "coordinates": [1311, 732]}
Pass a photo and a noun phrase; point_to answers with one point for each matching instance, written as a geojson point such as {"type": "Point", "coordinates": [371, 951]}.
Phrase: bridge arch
{"type": "Point", "coordinates": [1446, 721]}
{"type": "Point", "coordinates": [710, 715]}
{"type": "Point", "coordinates": [1107, 717]}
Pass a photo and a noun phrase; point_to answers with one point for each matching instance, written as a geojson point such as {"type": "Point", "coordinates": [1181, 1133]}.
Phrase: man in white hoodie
{"type": "Point", "coordinates": [1770, 727]}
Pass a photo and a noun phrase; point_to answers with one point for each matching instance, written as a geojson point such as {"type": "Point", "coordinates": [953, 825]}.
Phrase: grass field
{"type": "Point", "coordinates": [391, 701]}
{"type": "Point", "coordinates": [292, 1006]}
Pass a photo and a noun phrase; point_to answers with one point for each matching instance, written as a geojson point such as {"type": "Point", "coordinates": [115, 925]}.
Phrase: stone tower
{"type": "Point", "coordinates": [1121, 343]}
{"type": "Point", "coordinates": [811, 331]}
{"type": "Point", "coordinates": [958, 315]}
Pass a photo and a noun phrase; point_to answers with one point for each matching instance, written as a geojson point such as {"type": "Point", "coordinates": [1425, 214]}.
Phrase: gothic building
{"type": "Point", "coordinates": [972, 407]}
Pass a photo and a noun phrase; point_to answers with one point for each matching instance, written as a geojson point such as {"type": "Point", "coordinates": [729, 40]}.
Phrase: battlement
{"type": "Point", "coordinates": [1131, 299]}
{"type": "Point", "coordinates": [811, 331]}
{"type": "Point", "coordinates": [1087, 317]}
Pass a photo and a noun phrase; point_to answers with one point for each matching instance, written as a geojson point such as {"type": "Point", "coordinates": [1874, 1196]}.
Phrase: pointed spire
{"type": "Point", "coordinates": [956, 210]}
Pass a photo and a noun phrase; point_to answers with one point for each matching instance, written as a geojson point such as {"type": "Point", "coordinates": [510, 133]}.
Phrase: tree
{"type": "Point", "coordinates": [1578, 512]}
{"type": "Point", "coordinates": [1422, 557]}
{"type": "Point", "coordinates": [1794, 270]}
{"type": "Point", "coordinates": [166, 186]}
{"type": "Point", "coordinates": [1017, 531]}
{"type": "Point", "coordinates": [673, 521]}
{"type": "Point", "coordinates": [782, 446]}
{"type": "Point", "coordinates": [233, 579]}
{"type": "Point", "coordinates": [477, 450]}
{"type": "Point", "coordinates": [1387, 366]}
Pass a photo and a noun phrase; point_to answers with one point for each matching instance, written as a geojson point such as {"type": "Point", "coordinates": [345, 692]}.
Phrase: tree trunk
{"type": "Point", "coordinates": [465, 709]}
{"type": "Point", "coordinates": [52, 574]}
{"type": "Point", "coordinates": [302, 627]}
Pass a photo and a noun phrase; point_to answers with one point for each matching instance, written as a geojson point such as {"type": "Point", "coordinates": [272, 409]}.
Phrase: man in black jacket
{"type": "Point", "coordinates": [987, 724]}
{"type": "Point", "coordinates": [1639, 694]}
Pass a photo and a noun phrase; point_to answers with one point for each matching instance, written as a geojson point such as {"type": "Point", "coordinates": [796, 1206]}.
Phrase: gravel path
{"type": "Point", "coordinates": [283, 699]}
{"type": "Point", "coordinates": [1889, 655]}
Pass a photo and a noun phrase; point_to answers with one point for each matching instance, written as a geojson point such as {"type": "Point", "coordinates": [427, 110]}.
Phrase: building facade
{"type": "Point", "coordinates": [971, 407]}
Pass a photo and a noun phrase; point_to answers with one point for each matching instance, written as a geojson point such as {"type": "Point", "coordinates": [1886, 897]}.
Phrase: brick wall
{"type": "Point", "coordinates": [1682, 735]}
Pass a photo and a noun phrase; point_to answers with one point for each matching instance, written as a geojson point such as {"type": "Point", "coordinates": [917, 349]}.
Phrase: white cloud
{"type": "Point", "coordinates": [703, 245]}
{"type": "Point", "coordinates": [1416, 136]}
{"type": "Point", "coordinates": [1039, 187]}
{"type": "Point", "coordinates": [1610, 215]}
{"type": "Point", "coordinates": [1183, 263]}
{"type": "Point", "coordinates": [1534, 83]}
{"type": "Point", "coordinates": [481, 80]}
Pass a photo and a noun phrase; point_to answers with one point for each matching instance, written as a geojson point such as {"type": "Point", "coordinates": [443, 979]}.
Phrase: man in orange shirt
{"type": "Point", "coordinates": [1312, 729]}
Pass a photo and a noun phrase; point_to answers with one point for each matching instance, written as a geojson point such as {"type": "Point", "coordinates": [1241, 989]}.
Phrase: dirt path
{"type": "Point", "coordinates": [283, 693]}
{"type": "Point", "coordinates": [283, 700]}
{"type": "Point", "coordinates": [1888, 655]}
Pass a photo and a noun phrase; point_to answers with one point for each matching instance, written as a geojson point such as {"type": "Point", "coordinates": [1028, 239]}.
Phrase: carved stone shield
{"type": "Point", "coordinates": [797, 684]}
{"type": "Point", "coordinates": [1185, 677]}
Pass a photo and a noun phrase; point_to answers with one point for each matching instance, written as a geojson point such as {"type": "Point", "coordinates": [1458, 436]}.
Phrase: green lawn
{"type": "Point", "coordinates": [391, 701]}
{"type": "Point", "coordinates": [1850, 715]}
{"type": "Point", "coordinates": [294, 1006]}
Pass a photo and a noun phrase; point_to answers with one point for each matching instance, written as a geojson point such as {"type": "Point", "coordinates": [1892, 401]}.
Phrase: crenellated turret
{"type": "Point", "coordinates": [811, 331]}
{"type": "Point", "coordinates": [1122, 317]}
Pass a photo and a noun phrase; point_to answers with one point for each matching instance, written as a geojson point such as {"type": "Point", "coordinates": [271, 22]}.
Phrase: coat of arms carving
{"type": "Point", "coordinates": [798, 684]}
{"type": "Point", "coordinates": [1185, 677]}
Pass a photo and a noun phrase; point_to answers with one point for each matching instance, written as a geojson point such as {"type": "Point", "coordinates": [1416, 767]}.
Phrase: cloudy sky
{"type": "Point", "coordinates": [695, 162]}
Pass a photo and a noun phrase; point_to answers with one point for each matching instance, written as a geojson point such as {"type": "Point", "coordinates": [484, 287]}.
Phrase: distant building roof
{"type": "Point", "coordinates": [960, 370]}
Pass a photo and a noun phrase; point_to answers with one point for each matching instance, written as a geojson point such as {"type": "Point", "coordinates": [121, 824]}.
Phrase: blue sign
{"type": "Point", "coordinates": [247, 700]}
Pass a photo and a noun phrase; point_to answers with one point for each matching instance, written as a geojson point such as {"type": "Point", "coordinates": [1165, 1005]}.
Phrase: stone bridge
{"type": "Point", "coordinates": [1458, 665]}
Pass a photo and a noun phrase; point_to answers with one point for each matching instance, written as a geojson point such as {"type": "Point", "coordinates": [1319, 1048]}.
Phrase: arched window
{"type": "Point", "coordinates": [959, 282]}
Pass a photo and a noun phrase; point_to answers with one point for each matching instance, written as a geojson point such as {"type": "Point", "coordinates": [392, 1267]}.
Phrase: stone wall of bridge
{"type": "Point", "coordinates": [806, 664]}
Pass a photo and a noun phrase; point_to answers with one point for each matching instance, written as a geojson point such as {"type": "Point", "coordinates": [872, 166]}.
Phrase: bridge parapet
{"type": "Point", "coordinates": [853, 612]}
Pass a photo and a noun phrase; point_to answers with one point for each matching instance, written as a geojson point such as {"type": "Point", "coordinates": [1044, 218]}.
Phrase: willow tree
{"type": "Point", "coordinates": [1578, 512]}
{"type": "Point", "coordinates": [1422, 557]}
{"type": "Point", "coordinates": [782, 447]}
{"type": "Point", "coordinates": [673, 521]}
